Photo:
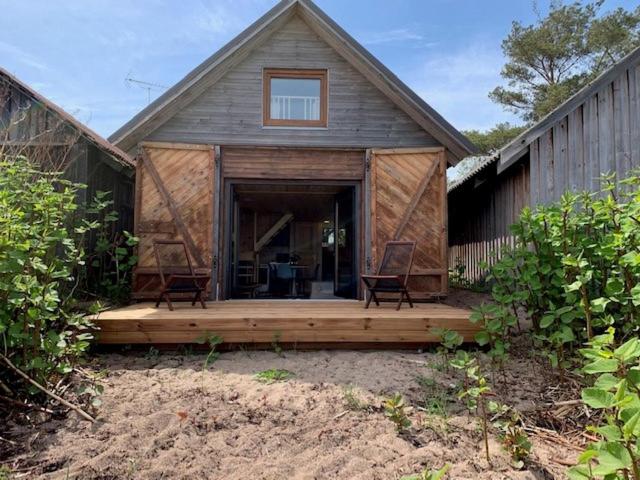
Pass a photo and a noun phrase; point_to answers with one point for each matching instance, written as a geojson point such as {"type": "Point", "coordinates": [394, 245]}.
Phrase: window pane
{"type": "Point", "coordinates": [295, 98]}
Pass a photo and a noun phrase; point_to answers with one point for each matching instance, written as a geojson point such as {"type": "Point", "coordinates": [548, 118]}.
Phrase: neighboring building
{"type": "Point", "coordinates": [596, 131]}
{"type": "Point", "coordinates": [286, 161]}
{"type": "Point", "coordinates": [32, 124]}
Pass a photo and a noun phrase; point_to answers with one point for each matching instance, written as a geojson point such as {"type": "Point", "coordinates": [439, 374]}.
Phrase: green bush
{"type": "Point", "coordinates": [42, 233]}
{"type": "Point", "coordinates": [575, 268]}
{"type": "Point", "coordinates": [616, 394]}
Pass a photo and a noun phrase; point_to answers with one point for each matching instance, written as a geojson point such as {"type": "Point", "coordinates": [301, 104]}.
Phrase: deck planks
{"type": "Point", "coordinates": [253, 321]}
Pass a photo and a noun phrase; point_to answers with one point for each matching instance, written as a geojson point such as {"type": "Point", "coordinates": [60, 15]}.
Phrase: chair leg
{"type": "Point", "coordinates": [400, 301]}
{"type": "Point", "coordinates": [366, 305]}
{"type": "Point", "coordinates": [168, 300]}
{"type": "Point", "coordinates": [375, 299]}
{"type": "Point", "coordinates": [406, 292]}
{"type": "Point", "coordinates": [202, 302]}
{"type": "Point", "coordinates": [159, 300]}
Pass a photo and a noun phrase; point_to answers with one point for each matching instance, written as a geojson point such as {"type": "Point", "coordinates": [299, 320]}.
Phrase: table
{"type": "Point", "coordinates": [294, 283]}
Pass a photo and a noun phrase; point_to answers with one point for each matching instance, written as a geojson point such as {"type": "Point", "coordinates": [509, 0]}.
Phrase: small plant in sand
{"type": "Point", "coordinates": [435, 397]}
{"type": "Point", "coordinates": [5, 472]}
{"type": "Point", "coordinates": [396, 411]}
{"type": "Point", "coordinates": [274, 375]}
{"type": "Point", "coordinates": [275, 344]}
{"type": "Point", "coordinates": [428, 474]}
{"type": "Point", "coordinates": [152, 354]}
{"type": "Point", "coordinates": [352, 400]}
{"type": "Point", "coordinates": [511, 432]}
{"type": "Point", "coordinates": [475, 392]}
{"type": "Point", "coordinates": [495, 322]}
{"type": "Point", "coordinates": [450, 340]}
{"type": "Point", "coordinates": [213, 341]}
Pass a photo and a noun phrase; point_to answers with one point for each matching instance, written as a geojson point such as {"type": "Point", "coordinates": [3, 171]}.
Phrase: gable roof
{"type": "Point", "coordinates": [518, 147]}
{"type": "Point", "coordinates": [114, 152]}
{"type": "Point", "coordinates": [213, 68]}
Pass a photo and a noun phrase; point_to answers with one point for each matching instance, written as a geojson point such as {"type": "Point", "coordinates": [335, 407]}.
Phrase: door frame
{"type": "Point", "coordinates": [227, 214]}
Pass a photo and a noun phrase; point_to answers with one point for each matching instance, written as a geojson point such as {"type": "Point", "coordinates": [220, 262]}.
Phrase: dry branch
{"type": "Point", "coordinates": [64, 402]}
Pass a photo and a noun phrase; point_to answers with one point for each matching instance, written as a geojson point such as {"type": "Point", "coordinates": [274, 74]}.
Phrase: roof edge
{"type": "Point", "coordinates": [519, 146]}
{"type": "Point", "coordinates": [119, 156]}
{"type": "Point", "coordinates": [197, 73]}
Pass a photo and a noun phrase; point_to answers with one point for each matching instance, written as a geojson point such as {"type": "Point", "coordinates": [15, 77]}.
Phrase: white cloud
{"type": "Point", "coordinates": [395, 36]}
{"type": "Point", "coordinates": [20, 56]}
{"type": "Point", "coordinates": [457, 84]}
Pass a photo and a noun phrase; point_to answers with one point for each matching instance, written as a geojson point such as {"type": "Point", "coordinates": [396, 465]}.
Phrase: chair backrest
{"type": "Point", "coordinates": [397, 259]}
{"type": "Point", "coordinates": [284, 271]}
{"type": "Point", "coordinates": [172, 257]}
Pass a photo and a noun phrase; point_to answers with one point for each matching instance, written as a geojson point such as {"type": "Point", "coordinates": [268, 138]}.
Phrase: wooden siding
{"type": "Point", "coordinates": [602, 135]}
{"type": "Point", "coordinates": [174, 200]}
{"type": "Point", "coordinates": [230, 111]}
{"type": "Point", "coordinates": [480, 213]}
{"type": "Point", "coordinates": [255, 321]}
{"type": "Point", "coordinates": [408, 202]}
{"type": "Point", "coordinates": [599, 134]}
{"type": "Point", "coordinates": [29, 125]}
{"type": "Point", "coordinates": [296, 164]}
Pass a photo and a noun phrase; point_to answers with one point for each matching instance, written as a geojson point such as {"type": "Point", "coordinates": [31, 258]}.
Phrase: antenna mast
{"type": "Point", "coordinates": [148, 86]}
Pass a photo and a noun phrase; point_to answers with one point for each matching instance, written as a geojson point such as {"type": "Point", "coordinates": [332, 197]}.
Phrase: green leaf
{"type": "Point", "coordinates": [547, 320]}
{"type": "Point", "coordinates": [628, 350]}
{"type": "Point", "coordinates": [602, 365]}
{"type": "Point", "coordinates": [482, 338]}
{"type": "Point", "coordinates": [579, 472]}
{"type": "Point", "coordinates": [606, 381]}
{"type": "Point", "coordinates": [630, 427]}
{"type": "Point", "coordinates": [612, 457]}
{"type": "Point", "coordinates": [597, 398]}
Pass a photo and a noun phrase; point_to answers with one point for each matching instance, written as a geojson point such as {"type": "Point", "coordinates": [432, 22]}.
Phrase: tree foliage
{"type": "Point", "coordinates": [552, 59]}
{"type": "Point", "coordinates": [492, 140]}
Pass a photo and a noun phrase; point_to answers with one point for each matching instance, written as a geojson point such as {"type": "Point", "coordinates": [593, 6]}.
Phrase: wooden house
{"type": "Point", "coordinates": [292, 145]}
{"type": "Point", "coordinates": [285, 162]}
{"type": "Point", "coordinates": [33, 125]}
{"type": "Point", "coordinates": [596, 131]}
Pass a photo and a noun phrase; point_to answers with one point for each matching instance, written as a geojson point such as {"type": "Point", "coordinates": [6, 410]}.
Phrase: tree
{"type": "Point", "coordinates": [554, 58]}
{"type": "Point", "coordinates": [495, 138]}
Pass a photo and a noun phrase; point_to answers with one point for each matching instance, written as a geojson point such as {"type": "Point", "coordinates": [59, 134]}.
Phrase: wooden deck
{"type": "Point", "coordinates": [302, 321]}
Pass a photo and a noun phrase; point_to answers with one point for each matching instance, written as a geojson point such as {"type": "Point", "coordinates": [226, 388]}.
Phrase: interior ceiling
{"type": "Point", "coordinates": [312, 203]}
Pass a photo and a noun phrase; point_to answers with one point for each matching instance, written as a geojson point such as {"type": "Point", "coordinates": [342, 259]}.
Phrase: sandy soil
{"type": "Point", "coordinates": [163, 418]}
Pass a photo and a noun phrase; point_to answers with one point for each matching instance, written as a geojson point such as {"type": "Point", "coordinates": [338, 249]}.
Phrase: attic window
{"type": "Point", "coordinates": [295, 98]}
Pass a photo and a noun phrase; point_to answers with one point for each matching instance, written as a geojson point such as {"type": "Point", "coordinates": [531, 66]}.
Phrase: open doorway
{"type": "Point", "coordinates": [293, 241]}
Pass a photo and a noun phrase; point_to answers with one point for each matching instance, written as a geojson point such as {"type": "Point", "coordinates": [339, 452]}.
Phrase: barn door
{"type": "Point", "coordinates": [407, 201]}
{"type": "Point", "coordinates": [175, 186]}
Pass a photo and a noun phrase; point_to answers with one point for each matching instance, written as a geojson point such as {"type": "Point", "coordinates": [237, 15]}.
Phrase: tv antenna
{"type": "Point", "coordinates": [148, 86]}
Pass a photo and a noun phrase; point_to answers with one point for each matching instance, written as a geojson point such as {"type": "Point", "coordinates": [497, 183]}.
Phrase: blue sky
{"type": "Point", "coordinates": [79, 52]}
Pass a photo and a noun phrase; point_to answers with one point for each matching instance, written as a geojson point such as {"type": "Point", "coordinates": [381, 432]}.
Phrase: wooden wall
{"type": "Point", "coordinates": [480, 213]}
{"type": "Point", "coordinates": [407, 195]}
{"type": "Point", "coordinates": [596, 132]}
{"type": "Point", "coordinates": [292, 164]}
{"type": "Point", "coordinates": [28, 126]}
{"type": "Point", "coordinates": [230, 111]}
{"type": "Point", "coordinates": [602, 135]}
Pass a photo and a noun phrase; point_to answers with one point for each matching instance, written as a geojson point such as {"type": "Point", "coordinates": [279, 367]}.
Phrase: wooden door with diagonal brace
{"type": "Point", "coordinates": [407, 196]}
{"type": "Point", "coordinates": [175, 186]}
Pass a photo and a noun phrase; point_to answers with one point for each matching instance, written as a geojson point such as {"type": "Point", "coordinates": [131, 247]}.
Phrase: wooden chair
{"type": "Point", "coordinates": [393, 273]}
{"type": "Point", "coordinates": [177, 274]}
